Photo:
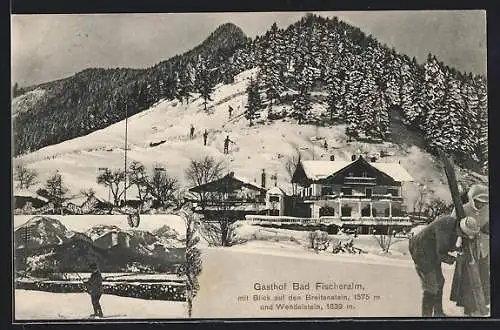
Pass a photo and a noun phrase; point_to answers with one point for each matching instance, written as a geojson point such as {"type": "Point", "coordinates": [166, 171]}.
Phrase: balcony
{"type": "Point", "coordinates": [366, 198]}
{"type": "Point", "coordinates": [263, 219]}
{"type": "Point", "coordinates": [359, 180]}
{"type": "Point", "coordinates": [400, 220]}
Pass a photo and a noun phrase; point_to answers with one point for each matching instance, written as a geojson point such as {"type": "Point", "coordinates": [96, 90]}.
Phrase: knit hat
{"type": "Point", "coordinates": [479, 192]}
{"type": "Point", "coordinates": [469, 226]}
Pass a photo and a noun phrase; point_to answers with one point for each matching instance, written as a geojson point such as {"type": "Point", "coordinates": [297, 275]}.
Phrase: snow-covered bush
{"type": "Point", "coordinates": [318, 240]}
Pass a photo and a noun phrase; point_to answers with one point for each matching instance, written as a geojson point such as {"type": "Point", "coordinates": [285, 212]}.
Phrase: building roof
{"type": "Point", "coordinates": [318, 169]}
{"type": "Point", "coordinates": [27, 193]}
{"type": "Point", "coordinates": [394, 170]}
{"type": "Point", "coordinates": [276, 191]}
{"type": "Point", "coordinates": [229, 182]}
{"type": "Point", "coordinates": [321, 169]}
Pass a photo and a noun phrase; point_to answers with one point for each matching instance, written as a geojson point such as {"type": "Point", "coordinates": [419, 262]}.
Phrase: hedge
{"type": "Point", "coordinates": [153, 291]}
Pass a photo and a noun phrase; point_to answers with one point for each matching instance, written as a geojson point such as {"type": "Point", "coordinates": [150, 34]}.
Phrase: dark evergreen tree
{"type": "Point", "coordinates": [254, 103]}
{"type": "Point", "coordinates": [204, 83]}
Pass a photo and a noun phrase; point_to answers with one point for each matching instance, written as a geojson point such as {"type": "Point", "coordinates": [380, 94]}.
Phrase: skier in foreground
{"type": "Point", "coordinates": [94, 288]}
{"type": "Point", "coordinates": [431, 246]}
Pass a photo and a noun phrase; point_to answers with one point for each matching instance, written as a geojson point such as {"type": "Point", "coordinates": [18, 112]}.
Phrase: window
{"type": "Point", "coordinates": [273, 199]}
{"type": "Point", "coordinates": [350, 174]}
{"type": "Point", "coordinates": [346, 211]}
{"type": "Point", "coordinates": [326, 190]}
{"type": "Point", "coordinates": [346, 190]}
{"type": "Point", "coordinates": [364, 174]}
{"type": "Point", "coordinates": [365, 211]}
{"type": "Point", "coordinates": [326, 211]}
{"type": "Point", "coordinates": [368, 192]}
{"type": "Point", "coordinates": [393, 191]}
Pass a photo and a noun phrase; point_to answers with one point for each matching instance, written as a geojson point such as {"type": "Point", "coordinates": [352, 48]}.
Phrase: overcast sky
{"type": "Point", "coordinates": [48, 47]}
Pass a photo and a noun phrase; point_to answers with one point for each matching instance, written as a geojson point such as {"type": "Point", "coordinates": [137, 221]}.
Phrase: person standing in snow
{"type": "Point", "coordinates": [191, 132]}
{"type": "Point", "coordinates": [205, 135]}
{"type": "Point", "coordinates": [230, 110]}
{"type": "Point", "coordinates": [429, 248]}
{"type": "Point", "coordinates": [226, 144]}
{"type": "Point", "coordinates": [461, 289]}
{"type": "Point", "coordinates": [94, 289]}
{"type": "Point", "coordinates": [325, 145]}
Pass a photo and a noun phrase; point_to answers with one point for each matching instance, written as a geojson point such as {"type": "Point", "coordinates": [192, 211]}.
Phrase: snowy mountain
{"type": "Point", "coordinates": [96, 98]}
{"type": "Point", "coordinates": [358, 80]}
{"type": "Point", "coordinates": [40, 231]}
{"type": "Point", "coordinates": [51, 245]}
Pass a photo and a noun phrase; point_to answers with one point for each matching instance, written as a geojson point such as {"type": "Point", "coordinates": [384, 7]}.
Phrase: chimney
{"type": "Point", "coordinates": [353, 157]}
{"type": "Point", "coordinates": [263, 179]}
{"type": "Point", "coordinates": [332, 158]}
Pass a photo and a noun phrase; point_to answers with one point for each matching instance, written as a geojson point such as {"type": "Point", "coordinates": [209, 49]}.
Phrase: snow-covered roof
{"type": "Point", "coordinates": [321, 169]}
{"type": "Point", "coordinates": [227, 180]}
{"type": "Point", "coordinates": [276, 191]}
{"type": "Point", "coordinates": [394, 170]}
{"type": "Point", "coordinates": [27, 193]}
{"type": "Point", "coordinates": [248, 182]}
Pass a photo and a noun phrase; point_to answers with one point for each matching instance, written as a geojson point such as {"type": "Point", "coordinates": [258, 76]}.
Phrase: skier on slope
{"type": "Point", "coordinates": [205, 135]}
{"type": "Point", "coordinates": [191, 132]}
{"type": "Point", "coordinates": [94, 289]}
{"type": "Point", "coordinates": [226, 144]}
{"type": "Point", "coordinates": [230, 110]}
{"type": "Point", "coordinates": [428, 249]}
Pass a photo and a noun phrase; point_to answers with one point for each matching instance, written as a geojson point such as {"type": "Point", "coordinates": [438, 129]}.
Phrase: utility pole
{"type": "Point", "coordinates": [126, 132]}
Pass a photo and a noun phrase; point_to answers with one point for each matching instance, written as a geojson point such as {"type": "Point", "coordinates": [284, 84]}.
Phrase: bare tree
{"type": "Point", "coordinates": [318, 240]}
{"type": "Point", "coordinates": [203, 171]}
{"type": "Point", "coordinates": [419, 202]}
{"type": "Point", "coordinates": [192, 265]}
{"type": "Point", "coordinates": [162, 186]}
{"type": "Point", "coordinates": [113, 180]}
{"type": "Point", "coordinates": [437, 207]}
{"type": "Point", "coordinates": [90, 192]}
{"type": "Point", "coordinates": [137, 176]}
{"type": "Point", "coordinates": [24, 176]}
{"type": "Point", "coordinates": [56, 190]}
{"type": "Point", "coordinates": [291, 164]}
{"type": "Point", "coordinates": [385, 238]}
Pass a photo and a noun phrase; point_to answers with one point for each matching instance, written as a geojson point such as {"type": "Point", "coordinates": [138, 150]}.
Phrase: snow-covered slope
{"type": "Point", "coordinates": [266, 145]}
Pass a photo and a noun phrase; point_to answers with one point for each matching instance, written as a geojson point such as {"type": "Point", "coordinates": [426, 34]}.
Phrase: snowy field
{"type": "Point", "coordinates": [31, 305]}
{"type": "Point", "coordinates": [82, 223]}
{"type": "Point", "coordinates": [296, 239]}
{"type": "Point", "coordinates": [229, 273]}
{"type": "Point", "coordinates": [268, 144]}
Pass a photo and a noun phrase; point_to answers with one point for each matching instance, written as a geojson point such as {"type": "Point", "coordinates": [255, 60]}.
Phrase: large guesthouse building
{"type": "Point", "coordinates": [360, 194]}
